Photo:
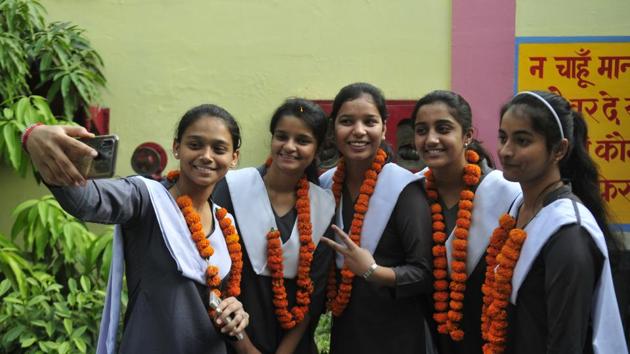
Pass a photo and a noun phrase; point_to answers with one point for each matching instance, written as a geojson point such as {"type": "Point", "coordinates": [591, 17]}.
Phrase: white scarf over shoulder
{"type": "Point", "coordinates": [255, 217]}
{"type": "Point", "coordinates": [391, 181]}
{"type": "Point", "coordinates": [493, 197]}
{"type": "Point", "coordinates": [608, 337]}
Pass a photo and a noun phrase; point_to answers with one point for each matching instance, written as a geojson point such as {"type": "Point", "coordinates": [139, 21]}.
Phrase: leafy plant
{"type": "Point", "coordinates": [322, 333]}
{"type": "Point", "coordinates": [13, 120]}
{"type": "Point", "coordinates": [51, 287]}
{"type": "Point", "coordinates": [51, 317]}
{"type": "Point", "coordinates": [54, 60]}
{"type": "Point", "coordinates": [50, 234]}
{"type": "Point", "coordinates": [52, 268]}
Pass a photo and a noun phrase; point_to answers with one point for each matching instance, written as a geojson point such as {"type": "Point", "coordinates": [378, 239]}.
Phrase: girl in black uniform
{"type": "Point", "coordinates": [382, 276]}
{"type": "Point", "coordinates": [548, 286]}
{"type": "Point", "coordinates": [174, 243]}
{"type": "Point", "coordinates": [467, 198]}
{"type": "Point", "coordinates": [282, 213]}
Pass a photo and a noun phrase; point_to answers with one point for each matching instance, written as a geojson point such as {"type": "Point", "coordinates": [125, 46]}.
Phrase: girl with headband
{"type": "Point", "coordinates": [467, 197]}
{"type": "Point", "coordinates": [382, 274]}
{"type": "Point", "coordinates": [548, 285]}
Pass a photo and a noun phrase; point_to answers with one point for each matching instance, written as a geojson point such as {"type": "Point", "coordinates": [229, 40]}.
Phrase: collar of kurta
{"type": "Point", "coordinates": [608, 334]}
{"type": "Point", "coordinates": [391, 181]}
{"type": "Point", "coordinates": [493, 197]}
{"type": "Point", "coordinates": [255, 217]}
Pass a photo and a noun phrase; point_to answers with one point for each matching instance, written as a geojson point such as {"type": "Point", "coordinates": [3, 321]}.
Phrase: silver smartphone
{"type": "Point", "coordinates": [214, 304]}
{"type": "Point", "coordinates": [104, 164]}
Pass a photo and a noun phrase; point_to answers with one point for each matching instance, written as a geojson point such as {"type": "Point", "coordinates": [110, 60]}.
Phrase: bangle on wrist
{"type": "Point", "coordinates": [368, 273]}
{"type": "Point", "coordinates": [28, 132]}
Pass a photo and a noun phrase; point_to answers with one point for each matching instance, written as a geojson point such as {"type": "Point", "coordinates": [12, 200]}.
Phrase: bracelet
{"type": "Point", "coordinates": [28, 132]}
{"type": "Point", "coordinates": [368, 273]}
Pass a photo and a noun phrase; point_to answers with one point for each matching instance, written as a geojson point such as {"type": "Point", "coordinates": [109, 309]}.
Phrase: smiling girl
{"type": "Point", "coordinates": [281, 214]}
{"type": "Point", "coordinates": [174, 244]}
{"type": "Point", "coordinates": [467, 198]}
{"type": "Point", "coordinates": [382, 272]}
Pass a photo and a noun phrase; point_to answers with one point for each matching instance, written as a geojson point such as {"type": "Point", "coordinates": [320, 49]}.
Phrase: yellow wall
{"type": "Point", "coordinates": [572, 18]}
{"type": "Point", "coordinates": [163, 57]}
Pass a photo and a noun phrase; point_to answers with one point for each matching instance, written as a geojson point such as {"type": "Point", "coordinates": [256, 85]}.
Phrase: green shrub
{"type": "Point", "coordinates": [322, 333]}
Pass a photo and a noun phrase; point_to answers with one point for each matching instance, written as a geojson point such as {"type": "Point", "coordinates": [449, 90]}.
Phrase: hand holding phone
{"type": "Point", "coordinates": [215, 303]}
{"type": "Point", "coordinates": [104, 164]}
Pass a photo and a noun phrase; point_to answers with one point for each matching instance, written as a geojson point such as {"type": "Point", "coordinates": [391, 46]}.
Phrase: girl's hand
{"type": "Point", "coordinates": [52, 149]}
{"type": "Point", "coordinates": [233, 319]}
{"type": "Point", "coordinates": [357, 259]}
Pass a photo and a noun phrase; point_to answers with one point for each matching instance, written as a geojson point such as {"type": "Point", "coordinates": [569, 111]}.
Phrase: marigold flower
{"type": "Point", "coordinates": [439, 237]}
{"type": "Point", "coordinates": [458, 266]}
{"type": "Point", "coordinates": [440, 317]}
{"type": "Point", "coordinates": [460, 245]}
{"type": "Point", "coordinates": [467, 194]}
{"type": "Point", "coordinates": [437, 217]}
{"type": "Point", "coordinates": [439, 262]}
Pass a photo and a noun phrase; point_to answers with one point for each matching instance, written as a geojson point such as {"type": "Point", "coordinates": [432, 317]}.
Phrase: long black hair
{"type": "Point", "coordinates": [315, 119]}
{"type": "Point", "coordinates": [459, 109]}
{"type": "Point", "coordinates": [576, 165]}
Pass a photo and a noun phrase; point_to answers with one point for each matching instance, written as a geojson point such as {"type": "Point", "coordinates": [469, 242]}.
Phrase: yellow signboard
{"type": "Point", "coordinates": [593, 73]}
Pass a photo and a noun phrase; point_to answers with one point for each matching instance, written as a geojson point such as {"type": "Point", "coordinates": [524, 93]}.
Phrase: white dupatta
{"type": "Point", "coordinates": [608, 336]}
{"type": "Point", "coordinates": [391, 181]}
{"type": "Point", "coordinates": [255, 217]}
{"type": "Point", "coordinates": [180, 245]}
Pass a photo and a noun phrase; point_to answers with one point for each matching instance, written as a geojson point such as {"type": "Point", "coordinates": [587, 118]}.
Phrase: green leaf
{"type": "Point", "coordinates": [85, 283]}
{"type": "Point", "coordinates": [65, 87]}
{"type": "Point", "coordinates": [72, 285]}
{"type": "Point", "coordinates": [80, 344]}
{"type": "Point", "coordinates": [20, 109]}
{"type": "Point", "coordinates": [62, 310]}
{"type": "Point", "coordinates": [24, 164]}
{"type": "Point", "coordinates": [19, 225]}
{"type": "Point", "coordinates": [13, 333]}
{"type": "Point", "coordinates": [5, 285]}
{"type": "Point", "coordinates": [42, 209]}
{"type": "Point", "coordinates": [36, 300]}
{"type": "Point", "coordinates": [8, 113]}
{"type": "Point", "coordinates": [18, 274]}
{"type": "Point", "coordinates": [23, 206]}
{"type": "Point", "coordinates": [27, 341]}
{"type": "Point", "coordinates": [44, 347]}
{"type": "Point", "coordinates": [44, 109]}
{"type": "Point", "coordinates": [41, 240]}
{"type": "Point", "coordinates": [13, 144]}
{"type": "Point", "coordinates": [39, 323]}
{"type": "Point", "coordinates": [67, 324]}
{"type": "Point", "coordinates": [64, 348]}
{"type": "Point", "coordinates": [78, 332]}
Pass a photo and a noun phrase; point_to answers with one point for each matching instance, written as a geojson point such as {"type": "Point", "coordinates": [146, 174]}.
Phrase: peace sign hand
{"type": "Point", "coordinates": [357, 259]}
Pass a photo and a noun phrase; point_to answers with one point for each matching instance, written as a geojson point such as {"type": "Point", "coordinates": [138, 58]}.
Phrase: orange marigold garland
{"type": "Point", "coordinates": [501, 258]}
{"type": "Point", "coordinates": [448, 306]}
{"type": "Point", "coordinates": [338, 298]}
{"type": "Point", "coordinates": [193, 220]}
{"type": "Point", "coordinates": [289, 319]}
